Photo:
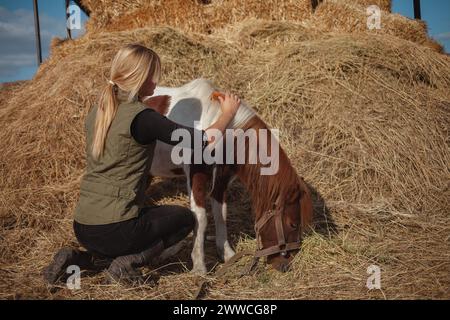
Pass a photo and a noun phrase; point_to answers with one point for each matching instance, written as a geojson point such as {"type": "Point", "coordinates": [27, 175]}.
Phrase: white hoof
{"type": "Point", "coordinates": [199, 270]}
{"type": "Point", "coordinates": [225, 253]}
{"type": "Point", "coordinates": [228, 254]}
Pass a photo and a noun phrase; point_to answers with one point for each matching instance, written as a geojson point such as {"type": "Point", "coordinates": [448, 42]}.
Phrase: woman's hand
{"type": "Point", "coordinates": [230, 104]}
{"type": "Point", "coordinates": [229, 107]}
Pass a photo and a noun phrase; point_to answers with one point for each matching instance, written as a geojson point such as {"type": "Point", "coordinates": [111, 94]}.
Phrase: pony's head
{"type": "Point", "coordinates": [281, 202]}
{"type": "Point", "coordinates": [280, 229]}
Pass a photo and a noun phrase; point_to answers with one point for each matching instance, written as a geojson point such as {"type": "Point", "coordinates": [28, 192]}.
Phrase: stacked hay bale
{"type": "Point", "coordinates": [346, 16]}
{"type": "Point", "coordinates": [382, 4]}
{"type": "Point", "coordinates": [196, 16]}
{"type": "Point", "coordinates": [190, 15]}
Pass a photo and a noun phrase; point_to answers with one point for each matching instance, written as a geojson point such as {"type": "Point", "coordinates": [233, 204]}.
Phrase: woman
{"type": "Point", "coordinates": [110, 219]}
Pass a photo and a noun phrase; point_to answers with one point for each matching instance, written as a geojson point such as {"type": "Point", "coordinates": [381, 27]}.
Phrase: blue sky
{"type": "Point", "coordinates": [18, 50]}
{"type": "Point", "coordinates": [436, 13]}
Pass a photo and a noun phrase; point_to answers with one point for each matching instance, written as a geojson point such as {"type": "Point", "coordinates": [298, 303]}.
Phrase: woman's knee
{"type": "Point", "coordinates": [186, 215]}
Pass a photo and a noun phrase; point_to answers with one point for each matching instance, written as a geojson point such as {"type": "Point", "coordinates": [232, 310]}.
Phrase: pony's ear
{"type": "Point", "coordinates": [159, 103]}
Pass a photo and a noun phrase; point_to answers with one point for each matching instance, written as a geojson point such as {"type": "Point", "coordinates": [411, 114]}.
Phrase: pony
{"type": "Point", "coordinates": [281, 202]}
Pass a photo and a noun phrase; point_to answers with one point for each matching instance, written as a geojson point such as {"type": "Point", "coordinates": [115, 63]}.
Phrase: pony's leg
{"type": "Point", "coordinates": [198, 199]}
{"type": "Point", "coordinates": [223, 176]}
{"type": "Point", "coordinates": [219, 209]}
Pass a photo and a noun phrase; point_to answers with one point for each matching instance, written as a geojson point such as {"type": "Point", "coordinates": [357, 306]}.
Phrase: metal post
{"type": "Point", "coordinates": [417, 14]}
{"type": "Point", "coordinates": [82, 7]}
{"type": "Point", "coordinates": [69, 32]}
{"type": "Point", "coordinates": [37, 31]}
{"type": "Point", "coordinates": [314, 4]}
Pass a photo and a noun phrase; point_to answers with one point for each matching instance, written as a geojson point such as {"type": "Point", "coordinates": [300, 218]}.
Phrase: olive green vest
{"type": "Point", "coordinates": [113, 188]}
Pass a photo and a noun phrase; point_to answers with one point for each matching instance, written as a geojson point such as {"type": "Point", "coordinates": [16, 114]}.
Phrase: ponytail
{"type": "Point", "coordinates": [106, 112]}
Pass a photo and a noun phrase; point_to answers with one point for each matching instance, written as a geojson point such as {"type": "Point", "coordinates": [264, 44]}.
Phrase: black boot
{"type": "Point", "coordinates": [69, 256]}
{"type": "Point", "coordinates": [125, 269]}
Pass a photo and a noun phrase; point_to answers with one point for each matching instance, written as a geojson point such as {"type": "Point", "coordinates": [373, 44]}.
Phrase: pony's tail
{"type": "Point", "coordinates": [107, 108]}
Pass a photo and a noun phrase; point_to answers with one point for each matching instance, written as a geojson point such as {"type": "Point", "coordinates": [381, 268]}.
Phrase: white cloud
{"type": "Point", "coordinates": [17, 37]}
{"type": "Point", "coordinates": [442, 36]}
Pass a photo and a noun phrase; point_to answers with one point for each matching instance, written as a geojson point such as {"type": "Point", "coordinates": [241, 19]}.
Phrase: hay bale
{"type": "Point", "coordinates": [383, 4]}
{"type": "Point", "coordinates": [364, 118]}
{"type": "Point", "coordinates": [192, 15]}
{"type": "Point", "coordinates": [102, 11]}
{"type": "Point", "coordinates": [338, 16]}
{"type": "Point", "coordinates": [186, 15]}
{"type": "Point", "coordinates": [229, 12]}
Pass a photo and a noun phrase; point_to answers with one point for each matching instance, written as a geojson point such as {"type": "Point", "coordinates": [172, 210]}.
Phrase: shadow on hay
{"type": "Point", "coordinates": [323, 221]}
{"type": "Point", "coordinates": [240, 222]}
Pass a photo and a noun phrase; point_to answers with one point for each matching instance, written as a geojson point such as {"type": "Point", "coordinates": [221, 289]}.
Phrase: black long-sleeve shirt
{"type": "Point", "coordinates": [149, 125]}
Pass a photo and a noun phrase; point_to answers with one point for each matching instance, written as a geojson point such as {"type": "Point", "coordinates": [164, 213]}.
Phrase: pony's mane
{"type": "Point", "coordinates": [265, 189]}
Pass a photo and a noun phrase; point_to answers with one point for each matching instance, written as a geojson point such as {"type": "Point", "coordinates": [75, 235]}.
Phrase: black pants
{"type": "Point", "coordinates": [168, 223]}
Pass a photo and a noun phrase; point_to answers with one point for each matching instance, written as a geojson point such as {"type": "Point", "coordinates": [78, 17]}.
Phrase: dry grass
{"type": "Point", "coordinates": [345, 16]}
{"type": "Point", "coordinates": [191, 15]}
{"type": "Point", "coordinates": [383, 4]}
{"type": "Point", "coordinates": [364, 118]}
{"type": "Point", "coordinates": [9, 88]}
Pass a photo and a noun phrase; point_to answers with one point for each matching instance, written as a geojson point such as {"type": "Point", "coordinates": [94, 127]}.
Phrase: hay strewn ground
{"type": "Point", "coordinates": [364, 119]}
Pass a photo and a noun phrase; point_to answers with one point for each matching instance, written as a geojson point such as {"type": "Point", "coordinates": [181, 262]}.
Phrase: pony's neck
{"type": "Point", "coordinates": [265, 189]}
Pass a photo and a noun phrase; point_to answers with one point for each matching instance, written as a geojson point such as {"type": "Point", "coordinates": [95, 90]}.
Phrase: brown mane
{"type": "Point", "coordinates": [265, 189]}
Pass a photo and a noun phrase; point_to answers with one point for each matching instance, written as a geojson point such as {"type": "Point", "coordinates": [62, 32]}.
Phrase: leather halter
{"type": "Point", "coordinates": [282, 247]}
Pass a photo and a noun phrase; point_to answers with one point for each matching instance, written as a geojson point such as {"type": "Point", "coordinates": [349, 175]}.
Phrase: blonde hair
{"type": "Point", "coordinates": [129, 70]}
